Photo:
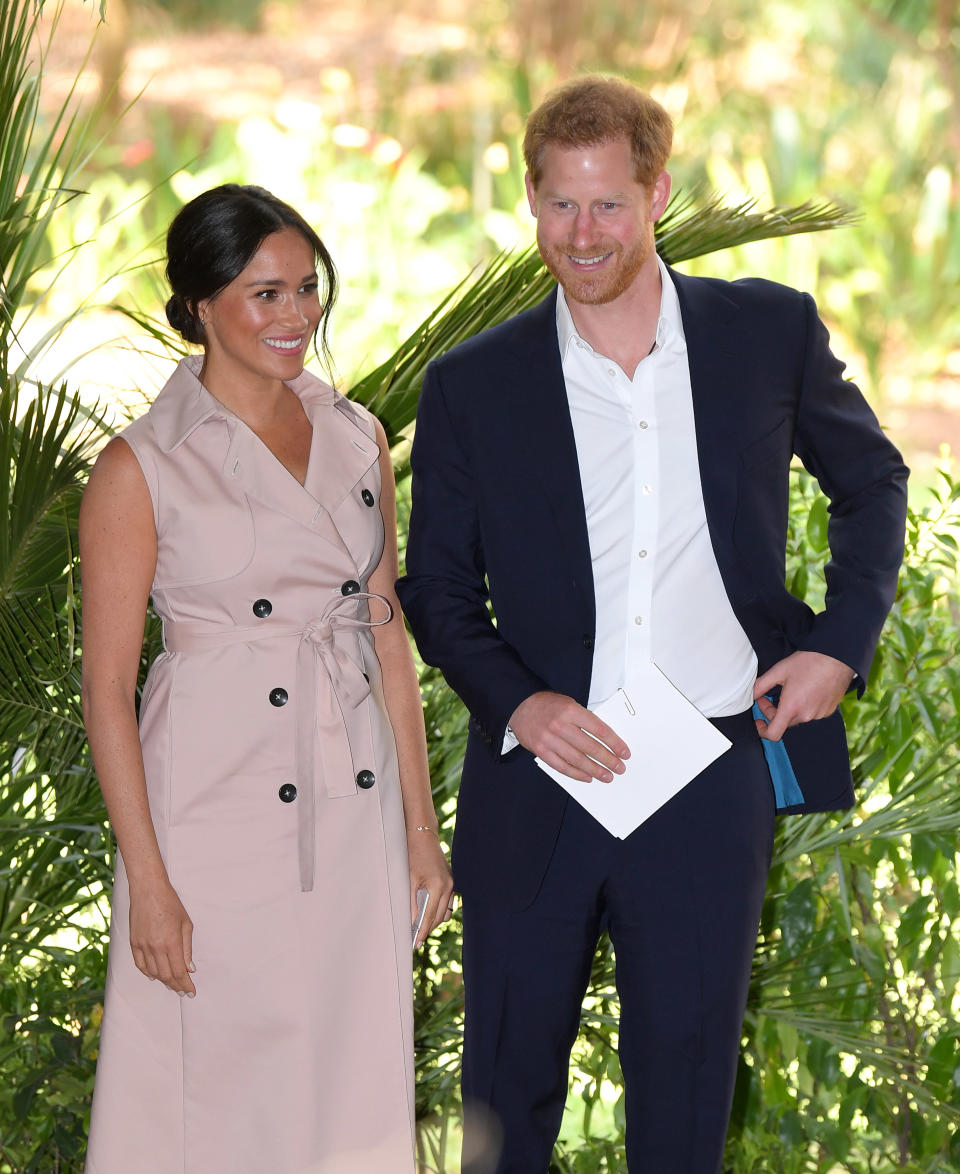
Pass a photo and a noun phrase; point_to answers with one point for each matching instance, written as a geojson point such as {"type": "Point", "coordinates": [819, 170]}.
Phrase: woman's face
{"type": "Point", "coordinates": [258, 328]}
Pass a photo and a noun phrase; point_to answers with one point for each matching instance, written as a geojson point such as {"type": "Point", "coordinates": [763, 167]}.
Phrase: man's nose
{"type": "Point", "coordinates": [584, 230]}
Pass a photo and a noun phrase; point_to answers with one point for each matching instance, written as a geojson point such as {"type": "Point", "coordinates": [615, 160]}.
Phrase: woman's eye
{"type": "Point", "coordinates": [310, 287]}
{"type": "Point", "coordinates": [265, 295]}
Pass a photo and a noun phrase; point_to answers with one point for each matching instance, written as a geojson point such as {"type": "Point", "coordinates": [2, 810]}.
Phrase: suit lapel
{"type": "Point", "coordinates": [716, 354]}
{"type": "Point", "coordinates": [545, 430]}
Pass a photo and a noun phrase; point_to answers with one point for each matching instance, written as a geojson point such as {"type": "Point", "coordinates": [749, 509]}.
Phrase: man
{"type": "Point", "coordinates": [609, 470]}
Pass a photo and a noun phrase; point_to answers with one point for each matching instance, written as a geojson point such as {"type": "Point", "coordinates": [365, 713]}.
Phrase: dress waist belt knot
{"type": "Point", "coordinates": [333, 732]}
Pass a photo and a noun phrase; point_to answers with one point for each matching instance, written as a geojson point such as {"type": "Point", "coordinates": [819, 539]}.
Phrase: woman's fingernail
{"type": "Point", "coordinates": [181, 993]}
{"type": "Point", "coordinates": [191, 994]}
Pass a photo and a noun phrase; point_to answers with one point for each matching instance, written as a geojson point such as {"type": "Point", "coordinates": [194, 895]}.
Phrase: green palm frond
{"type": "Point", "coordinates": [40, 170]}
{"type": "Point", "coordinates": [46, 453]}
{"type": "Point", "coordinates": [692, 225]}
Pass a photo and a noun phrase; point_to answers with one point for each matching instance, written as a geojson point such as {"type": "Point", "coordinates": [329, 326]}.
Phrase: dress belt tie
{"type": "Point", "coordinates": [333, 732]}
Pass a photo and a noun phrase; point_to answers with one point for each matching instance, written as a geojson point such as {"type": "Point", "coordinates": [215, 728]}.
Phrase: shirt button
{"type": "Point", "coordinates": [610, 371]}
{"type": "Point", "coordinates": [643, 554]}
{"type": "Point", "coordinates": [262, 608]}
{"type": "Point", "coordinates": [278, 697]}
{"type": "Point", "coordinates": [638, 620]}
{"type": "Point", "coordinates": [641, 424]}
{"type": "Point", "coordinates": [351, 587]}
{"type": "Point", "coordinates": [647, 490]}
{"type": "Point", "coordinates": [287, 793]}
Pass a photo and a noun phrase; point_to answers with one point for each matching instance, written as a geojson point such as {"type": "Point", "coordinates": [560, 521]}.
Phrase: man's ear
{"type": "Point", "coordinates": [660, 195]}
{"type": "Point", "coordinates": [531, 194]}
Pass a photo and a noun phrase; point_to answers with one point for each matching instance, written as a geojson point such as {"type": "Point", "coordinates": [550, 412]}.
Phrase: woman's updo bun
{"type": "Point", "coordinates": [183, 320]}
{"type": "Point", "coordinates": [213, 239]}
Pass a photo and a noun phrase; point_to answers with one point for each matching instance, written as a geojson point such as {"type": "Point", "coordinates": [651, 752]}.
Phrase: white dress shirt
{"type": "Point", "coordinates": [659, 595]}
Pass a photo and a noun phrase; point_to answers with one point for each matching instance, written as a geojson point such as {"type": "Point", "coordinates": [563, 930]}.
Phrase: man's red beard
{"type": "Point", "coordinates": [598, 288]}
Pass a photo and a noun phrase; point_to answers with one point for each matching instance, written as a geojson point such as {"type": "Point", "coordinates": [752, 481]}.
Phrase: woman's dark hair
{"type": "Point", "coordinates": [212, 240]}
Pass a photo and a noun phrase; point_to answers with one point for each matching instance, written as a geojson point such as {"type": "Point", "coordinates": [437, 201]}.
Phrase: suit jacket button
{"type": "Point", "coordinates": [367, 497]}
{"type": "Point", "coordinates": [278, 697]}
{"type": "Point", "coordinates": [287, 793]}
{"type": "Point", "coordinates": [366, 779]}
{"type": "Point", "coordinates": [588, 641]}
{"type": "Point", "coordinates": [351, 587]}
{"type": "Point", "coordinates": [262, 608]}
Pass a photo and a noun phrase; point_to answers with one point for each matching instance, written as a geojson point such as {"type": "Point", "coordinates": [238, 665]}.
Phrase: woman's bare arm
{"type": "Point", "coordinates": [118, 555]}
{"type": "Point", "coordinates": [428, 866]}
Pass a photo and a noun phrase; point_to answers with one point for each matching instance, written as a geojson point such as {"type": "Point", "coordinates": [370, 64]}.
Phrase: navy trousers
{"type": "Point", "coordinates": [681, 899]}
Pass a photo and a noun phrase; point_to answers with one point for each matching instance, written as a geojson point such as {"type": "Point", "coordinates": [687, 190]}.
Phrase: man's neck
{"type": "Point", "coordinates": [624, 330]}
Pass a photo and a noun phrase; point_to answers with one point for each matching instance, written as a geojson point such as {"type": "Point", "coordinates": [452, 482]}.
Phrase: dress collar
{"type": "Point", "coordinates": [184, 403]}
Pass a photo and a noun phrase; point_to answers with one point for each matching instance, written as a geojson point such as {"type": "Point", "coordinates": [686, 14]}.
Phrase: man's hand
{"type": "Point", "coordinates": [812, 685]}
{"type": "Point", "coordinates": [568, 737]}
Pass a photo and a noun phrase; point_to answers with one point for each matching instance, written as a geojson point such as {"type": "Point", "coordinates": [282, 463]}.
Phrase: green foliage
{"type": "Point", "coordinates": [51, 1019]}
{"type": "Point", "coordinates": [690, 226]}
{"type": "Point", "coordinates": [852, 1055]}
{"type": "Point", "coordinates": [39, 166]}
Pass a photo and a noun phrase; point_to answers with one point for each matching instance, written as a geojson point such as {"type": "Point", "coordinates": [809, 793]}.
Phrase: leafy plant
{"type": "Point", "coordinates": [851, 1047]}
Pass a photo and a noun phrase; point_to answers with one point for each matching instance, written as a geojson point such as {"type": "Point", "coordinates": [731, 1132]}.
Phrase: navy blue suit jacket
{"type": "Point", "coordinates": [498, 522]}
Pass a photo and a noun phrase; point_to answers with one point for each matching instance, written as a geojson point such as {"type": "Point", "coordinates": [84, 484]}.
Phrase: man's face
{"type": "Point", "coordinates": [594, 220]}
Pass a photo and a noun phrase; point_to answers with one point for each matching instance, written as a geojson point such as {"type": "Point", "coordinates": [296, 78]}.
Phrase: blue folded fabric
{"type": "Point", "coordinates": [786, 789]}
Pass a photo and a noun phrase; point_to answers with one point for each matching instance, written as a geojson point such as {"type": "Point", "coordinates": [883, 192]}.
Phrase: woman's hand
{"type": "Point", "coordinates": [429, 870]}
{"type": "Point", "coordinates": [161, 936]}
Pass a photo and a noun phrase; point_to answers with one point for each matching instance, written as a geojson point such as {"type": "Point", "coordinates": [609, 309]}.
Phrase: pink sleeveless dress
{"type": "Point", "coordinates": [273, 785]}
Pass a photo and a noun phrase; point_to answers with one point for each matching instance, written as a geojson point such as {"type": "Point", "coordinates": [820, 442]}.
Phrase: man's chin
{"type": "Point", "coordinates": [591, 294]}
{"type": "Point", "coordinates": [588, 290]}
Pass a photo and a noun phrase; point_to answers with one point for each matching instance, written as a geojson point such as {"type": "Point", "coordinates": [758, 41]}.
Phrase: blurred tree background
{"type": "Point", "coordinates": [395, 128]}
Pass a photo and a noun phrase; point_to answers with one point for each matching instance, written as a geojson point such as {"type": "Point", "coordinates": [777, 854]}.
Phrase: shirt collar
{"type": "Point", "coordinates": [669, 323]}
{"type": "Point", "coordinates": [184, 403]}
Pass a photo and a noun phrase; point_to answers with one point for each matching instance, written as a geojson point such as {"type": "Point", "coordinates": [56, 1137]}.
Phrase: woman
{"type": "Point", "coordinates": [273, 813]}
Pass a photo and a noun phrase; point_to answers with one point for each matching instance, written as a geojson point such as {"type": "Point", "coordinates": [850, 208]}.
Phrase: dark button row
{"type": "Point", "coordinates": [365, 780]}
{"type": "Point", "coordinates": [279, 696]}
{"type": "Point", "coordinates": [263, 607]}
{"type": "Point", "coordinates": [367, 497]}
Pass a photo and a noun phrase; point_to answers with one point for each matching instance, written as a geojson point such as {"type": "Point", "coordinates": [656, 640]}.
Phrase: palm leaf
{"type": "Point", "coordinates": [691, 226]}
{"type": "Point", "coordinates": [39, 171]}
{"type": "Point", "coordinates": [46, 454]}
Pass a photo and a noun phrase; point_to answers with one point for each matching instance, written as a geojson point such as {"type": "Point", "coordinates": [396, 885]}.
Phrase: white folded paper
{"type": "Point", "coordinates": [670, 742]}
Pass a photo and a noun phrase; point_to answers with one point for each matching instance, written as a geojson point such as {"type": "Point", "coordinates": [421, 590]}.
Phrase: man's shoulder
{"type": "Point", "coordinates": [745, 292]}
{"type": "Point", "coordinates": [535, 326]}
